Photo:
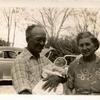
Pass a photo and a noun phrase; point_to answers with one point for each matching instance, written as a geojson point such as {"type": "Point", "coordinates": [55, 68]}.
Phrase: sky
{"type": "Point", "coordinates": [60, 3]}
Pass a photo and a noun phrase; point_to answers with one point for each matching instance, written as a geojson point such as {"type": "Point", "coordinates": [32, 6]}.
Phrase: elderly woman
{"type": "Point", "coordinates": [84, 73]}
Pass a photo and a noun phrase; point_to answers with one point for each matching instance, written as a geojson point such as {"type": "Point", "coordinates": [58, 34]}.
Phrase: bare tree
{"type": "Point", "coordinates": [16, 18]}
{"type": "Point", "coordinates": [12, 17]}
{"type": "Point", "coordinates": [8, 18]}
{"type": "Point", "coordinates": [86, 20]}
{"type": "Point", "coordinates": [53, 20]}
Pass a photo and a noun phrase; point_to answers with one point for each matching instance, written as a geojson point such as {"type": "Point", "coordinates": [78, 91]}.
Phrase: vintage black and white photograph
{"type": "Point", "coordinates": [49, 50]}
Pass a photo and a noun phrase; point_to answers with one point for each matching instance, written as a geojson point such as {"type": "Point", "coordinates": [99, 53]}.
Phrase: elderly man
{"type": "Point", "coordinates": [27, 68]}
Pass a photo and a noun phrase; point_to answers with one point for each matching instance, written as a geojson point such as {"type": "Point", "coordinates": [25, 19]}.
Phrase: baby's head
{"type": "Point", "coordinates": [60, 62]}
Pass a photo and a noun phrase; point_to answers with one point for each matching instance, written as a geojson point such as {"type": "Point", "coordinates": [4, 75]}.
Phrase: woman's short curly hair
{"type": "Point", "coordinates": [88, 35]}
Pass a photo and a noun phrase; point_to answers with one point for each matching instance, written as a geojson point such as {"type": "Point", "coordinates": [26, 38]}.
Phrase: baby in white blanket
{"type": "Point", "coordinates": [59, 68]}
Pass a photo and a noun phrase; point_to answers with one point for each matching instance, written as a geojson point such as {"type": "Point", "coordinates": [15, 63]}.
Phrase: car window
{"type": "Point", "coordinates": [10, 54]}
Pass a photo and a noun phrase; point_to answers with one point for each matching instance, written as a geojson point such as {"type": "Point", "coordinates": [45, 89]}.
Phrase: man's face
{"type": "Point", "coordinates": [86, 47]}
{"type": "Point", "coordinates": [37, 40]}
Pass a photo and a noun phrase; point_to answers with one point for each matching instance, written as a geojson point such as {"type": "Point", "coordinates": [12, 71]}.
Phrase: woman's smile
{"type": "Point", "coordinates": [86, 47]}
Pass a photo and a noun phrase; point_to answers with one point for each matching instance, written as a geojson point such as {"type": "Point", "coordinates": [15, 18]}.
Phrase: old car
{"type": "Point", "coordinates": [7, 57]}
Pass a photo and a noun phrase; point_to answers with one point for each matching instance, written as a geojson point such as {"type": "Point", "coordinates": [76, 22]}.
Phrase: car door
{"type": "Point", "coordinates": [6, 61]}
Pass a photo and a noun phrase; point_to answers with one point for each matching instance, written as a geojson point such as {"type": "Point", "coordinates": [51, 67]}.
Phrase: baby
{"type": "Point", "coordinates": [59, 68]}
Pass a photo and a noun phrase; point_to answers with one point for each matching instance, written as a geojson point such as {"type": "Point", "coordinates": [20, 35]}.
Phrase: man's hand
{"type": "Point", "coordinates": [52, 82]}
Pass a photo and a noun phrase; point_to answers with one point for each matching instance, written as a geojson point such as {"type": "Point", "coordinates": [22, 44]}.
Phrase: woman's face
{"type": "Point", "coordinates": [86, 47]}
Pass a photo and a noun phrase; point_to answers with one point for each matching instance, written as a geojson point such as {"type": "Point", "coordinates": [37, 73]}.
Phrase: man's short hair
{"type": "Point", "coordinates": [29, 29]}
